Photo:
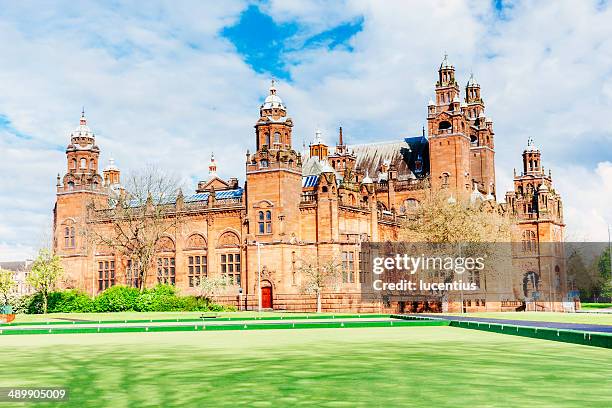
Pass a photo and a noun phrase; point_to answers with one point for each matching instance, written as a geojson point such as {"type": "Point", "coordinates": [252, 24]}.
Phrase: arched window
{"type": "Point", "coordinates": [445, 126]}
{"type": "Point", "coordinates": [73, 164]}
{"type": "Point", "coordinates": [411, 204]}
{"type": "Point", "coordinates": [268, 222]}
{"type": "Point", "coordinates": [263, 163]}
{"type": "Point", "coordinates": [277, 137]}
{"type": "Point", "coordinates": [267, 139]}
{"type": "Point", "coordinates": [166, 262]}
{"type": "Point", "coordinates": [261, 224]}
{"type": "Point", "coordinates": [83, 163]}
{"type": "Point", "coordinates": [444, 177]}
{"type": "Point", "coordinates": [69, 237]}
{"type": "Point", "coordinates": [529, 241]}
{"type": "Point", "coordinates": [70, 185]}
{"type": "Point", "coordinates": [92, 164]}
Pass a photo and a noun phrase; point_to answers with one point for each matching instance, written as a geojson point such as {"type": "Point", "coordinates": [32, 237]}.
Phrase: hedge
{"type": "Point", "coordinates": [161, 298]}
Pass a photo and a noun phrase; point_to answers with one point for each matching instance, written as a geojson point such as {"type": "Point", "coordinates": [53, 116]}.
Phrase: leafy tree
{"type": "Point", "coordinates": [461, 228]}
{"type": "Point", "coordinates": [440, 219]}
{"type": "Point", "coordinates": [46, 270]}
{"type": "Point", "coordinates": [7, 283]}
{"type": "Point", "coordinates": [319, 276]}
{"type": "Point", "coordinates": [604, 268]}
{"type": "Point", "coordinates": [210, 287]}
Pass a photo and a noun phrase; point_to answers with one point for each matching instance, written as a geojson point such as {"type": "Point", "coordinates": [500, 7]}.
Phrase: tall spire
{"type": "Point", "coordinates": [340, 141]}
{"type": "Point", "coordinates": [212, 167]}
{"type": "Point", "coordinates": [83, 120]}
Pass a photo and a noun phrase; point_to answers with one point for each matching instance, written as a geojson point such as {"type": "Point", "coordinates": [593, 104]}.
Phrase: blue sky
{"type": "Point", "coordinates": [168, 83]}
{"type": "Point", "coordinates": [262, 41]}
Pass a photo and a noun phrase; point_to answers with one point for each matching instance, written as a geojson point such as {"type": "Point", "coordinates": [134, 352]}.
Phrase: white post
{"type": "Point", "coordinates": [258, 277]}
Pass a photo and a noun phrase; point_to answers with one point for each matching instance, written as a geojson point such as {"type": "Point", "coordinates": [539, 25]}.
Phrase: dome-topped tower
{"type": "Point", "coordinates": [273, 105]}
{"type": "Point", "coordinates": [82, 156]}
{"type": "Point", "coordinates": [273, 128]}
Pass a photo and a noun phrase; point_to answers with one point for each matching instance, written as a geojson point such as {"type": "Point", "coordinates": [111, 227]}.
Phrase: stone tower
{"type": "Point", "coordinates": [274, 175]}
{"type": "Point", "coordinates": [449, 142]}
{"type": "Point", "coordinates": [80, 186]}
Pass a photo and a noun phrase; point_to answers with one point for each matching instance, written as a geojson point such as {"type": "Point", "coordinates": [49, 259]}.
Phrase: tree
{"type": "Point", "coordinates": [210, 287]}
{"type": "Point", "coordinates": [439, 219]}
{"type": "Point", "coordinates": [318, 276]}
{"type": "Point", "coordinates": [46, 270]}
{"type": "Point", "coordinates": [461, 228]}
{"type": "Point", "coordinates": [7, 283]}
{"type": "Point", "coordinates": [137, 218]}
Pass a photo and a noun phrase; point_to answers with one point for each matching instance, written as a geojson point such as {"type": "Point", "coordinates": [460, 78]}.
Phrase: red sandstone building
{"type": "Point", "coordinates": [310, 205]}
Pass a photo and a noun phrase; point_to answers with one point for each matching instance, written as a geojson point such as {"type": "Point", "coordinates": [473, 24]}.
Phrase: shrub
{"type": "Point", "coordinates": [68, 301]}
{"type": "Point", "coordinates": [117, 299]}
{"type": "Point", "coordinates": [161, 298]}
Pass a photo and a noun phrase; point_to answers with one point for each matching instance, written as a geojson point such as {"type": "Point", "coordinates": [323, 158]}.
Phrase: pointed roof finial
{"type": "Point", "coordinates": [340, 141]}
{"type": "Point", "coordinates": [273, 86]}
{"type": "Point", "coordinates": [445, 63]}
{"type": "Point", "coordinates": [83, 121]}
{"type": "Point", "coordinates": [212, 167]}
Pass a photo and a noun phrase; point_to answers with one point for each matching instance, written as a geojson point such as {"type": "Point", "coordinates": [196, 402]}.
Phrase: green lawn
{"type": "Point", "coordinates": [590, 318]}
{"type": "Point", "coordinates": [596, 305]}
{"type": "Point", "coordinates": [139, 315]}
{"type": "Point", "coordinates": [386, 367]}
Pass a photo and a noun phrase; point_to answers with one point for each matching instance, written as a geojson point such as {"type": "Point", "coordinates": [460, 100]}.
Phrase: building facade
{"type": "Point", "coordinates": [297, 206]}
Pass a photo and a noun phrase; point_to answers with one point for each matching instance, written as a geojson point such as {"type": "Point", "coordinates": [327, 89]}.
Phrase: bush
{"type": "Point", "coordinates": [20, 303]}
{"type": "Point", "coordinates": [161, 298]}
{"type": "Point", "coordinates": [68, 301]}
{"type": "Point", "coordinates": [117, 299]}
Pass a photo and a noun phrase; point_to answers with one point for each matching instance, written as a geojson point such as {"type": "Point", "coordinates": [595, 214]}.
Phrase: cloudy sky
{"type": "Point", "coordinates": [167, 83]}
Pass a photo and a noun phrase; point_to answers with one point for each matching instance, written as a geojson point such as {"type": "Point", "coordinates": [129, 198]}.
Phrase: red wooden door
{"type": "Point", "coordinates": [266, 297]}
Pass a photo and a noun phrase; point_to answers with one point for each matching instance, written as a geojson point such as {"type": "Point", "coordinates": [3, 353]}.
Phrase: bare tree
{"type": "Point", "coordinates": [137, 218]}
{"type": "Point", "coordinates": [319, 276]}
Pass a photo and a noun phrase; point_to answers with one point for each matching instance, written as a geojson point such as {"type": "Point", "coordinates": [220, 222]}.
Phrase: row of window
{"type": "Point", "coordinates": [197, 267]}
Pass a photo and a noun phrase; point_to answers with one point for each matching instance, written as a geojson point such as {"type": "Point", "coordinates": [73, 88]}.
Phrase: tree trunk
{"type": "Point", "coordinates": [318, 301]}
{"type": "Point", "coordinates": [45, 300]}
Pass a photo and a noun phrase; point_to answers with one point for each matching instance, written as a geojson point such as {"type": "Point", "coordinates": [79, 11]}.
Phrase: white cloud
{"type": "Point", "coordinates": [160, 86]}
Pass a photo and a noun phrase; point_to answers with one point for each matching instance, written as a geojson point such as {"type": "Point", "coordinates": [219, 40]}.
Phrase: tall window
{"type": "Point", "coordinates": [106, 274]}
{"type": "Point", "coordinates": [197, 268]}
{"type": "Point", "coordinates": [83, 163]}
{"type": "Point", "coordinates": [529, 241]}
{"type": "Point", "coordinates": [277, 137]}
{"type": "Point", "coordinates": [474, 277]}
{"type": "Point", "coordinates": [362, 267]}
{"type": "Point", "coordinates": [348, 267]}
{"type": "Point", "coordinates": [166, 270]}
{"type": "Point", "coordinates": [230, 267]}
{"type": "Point", "coordinates": [265, 222]}
{"type": "Point", "coordinates": [132, 273]}
{"type": "Point", "coordinates": [69, 237]}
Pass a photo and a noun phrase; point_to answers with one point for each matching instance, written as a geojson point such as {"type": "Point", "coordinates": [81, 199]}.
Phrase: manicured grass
{"type": "Point", "coordinates": [138, 315]}
{"type": "Point", "coordinates": [387, 367]}
{"type": "Point", "coordinates": [589, 318]}
{"type": "Point", "coordinates": [596, 305]}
